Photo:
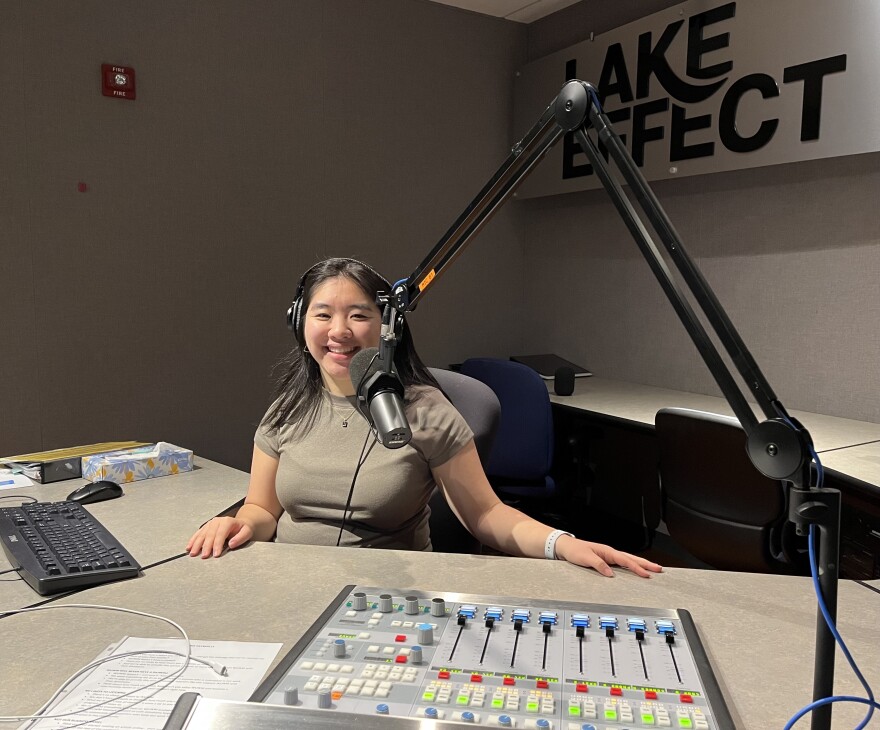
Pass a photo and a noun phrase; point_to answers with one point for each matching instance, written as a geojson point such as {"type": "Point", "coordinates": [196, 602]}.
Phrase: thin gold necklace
{"type": "Point", "coordinates": [348, 416]}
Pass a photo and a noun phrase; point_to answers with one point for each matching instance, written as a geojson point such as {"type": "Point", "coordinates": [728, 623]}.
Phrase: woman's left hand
{"type": "Point", "coordinates": [601, 557]}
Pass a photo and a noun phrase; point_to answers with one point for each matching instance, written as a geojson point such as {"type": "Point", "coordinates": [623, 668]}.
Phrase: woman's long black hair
{"type": "Point", "coordinates": [299, 388]}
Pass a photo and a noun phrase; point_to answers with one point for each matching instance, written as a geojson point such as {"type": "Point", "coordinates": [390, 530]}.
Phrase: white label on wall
{"type": "Point", "coordinates": [707, 86]}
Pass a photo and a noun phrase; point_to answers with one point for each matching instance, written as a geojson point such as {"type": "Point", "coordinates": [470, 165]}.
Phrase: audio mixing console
{"type": "Point", "coordinates": [501, 662]}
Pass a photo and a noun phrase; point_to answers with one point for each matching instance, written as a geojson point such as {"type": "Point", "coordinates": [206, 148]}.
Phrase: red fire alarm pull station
{"type": "Point", "coordinates": [117, 81]}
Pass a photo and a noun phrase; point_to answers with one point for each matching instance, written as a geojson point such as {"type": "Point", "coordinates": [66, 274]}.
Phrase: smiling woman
{"type": "Point", "coordinates": [309, 448]}
{"type": "Point", "coordinates": [339, 322]}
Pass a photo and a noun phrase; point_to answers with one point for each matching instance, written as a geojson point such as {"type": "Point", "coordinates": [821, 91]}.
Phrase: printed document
{"type": "Point", "coordinates": [245, 663]}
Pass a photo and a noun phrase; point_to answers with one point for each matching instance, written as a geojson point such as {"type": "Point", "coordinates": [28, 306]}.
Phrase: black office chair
{"type": "Point", "coordinates": [716, 504]}
{"type": "Point", "coordinates": [480, 408]}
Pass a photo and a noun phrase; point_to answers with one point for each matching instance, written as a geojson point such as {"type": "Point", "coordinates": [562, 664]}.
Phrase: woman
{"type": "Point", "coordinates": [310, 444]}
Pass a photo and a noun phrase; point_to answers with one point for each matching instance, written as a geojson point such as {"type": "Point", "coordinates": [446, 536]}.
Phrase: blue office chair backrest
{"type": "Point", "coordinates": [524, 443]}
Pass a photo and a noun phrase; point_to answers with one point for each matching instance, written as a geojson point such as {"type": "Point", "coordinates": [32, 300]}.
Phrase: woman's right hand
{"type": "Point", "coordinates": [210, 538]}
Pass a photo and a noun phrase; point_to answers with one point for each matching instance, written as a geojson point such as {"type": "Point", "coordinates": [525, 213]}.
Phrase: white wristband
{"type": "Point", "coordinates": [550, 543]}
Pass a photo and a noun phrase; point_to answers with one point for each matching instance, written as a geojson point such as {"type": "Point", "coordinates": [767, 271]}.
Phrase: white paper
{"type": "Point", "coordinates": [246, 664]}
{"type": "Point", "coordinates": [8, 480]}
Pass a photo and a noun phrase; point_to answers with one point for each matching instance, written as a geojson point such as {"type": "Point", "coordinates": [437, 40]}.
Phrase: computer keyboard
{"type": "Point", "coordinates": [59, 546]}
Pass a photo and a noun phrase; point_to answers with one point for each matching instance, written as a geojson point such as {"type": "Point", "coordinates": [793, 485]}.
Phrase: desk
{"type": "Point", "coordinates": [154, 518]}
{"type": "Point", "coordinates": [757, 629]}
{"type": "Point", "coordinates": [636, 405]}
{"type": "Point", "coordinates": [625, 461]}
{"type": "Point", "coordinates": [860, 462]}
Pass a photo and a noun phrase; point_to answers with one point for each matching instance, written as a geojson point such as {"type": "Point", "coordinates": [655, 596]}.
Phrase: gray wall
{"type": "Point", "coordinates": [792, 251]}
{"type": "Point", "coordinates": [264, 137]}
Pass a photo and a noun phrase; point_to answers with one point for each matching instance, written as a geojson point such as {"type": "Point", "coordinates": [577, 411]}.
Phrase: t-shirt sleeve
{"type": "Point", "coordinates": [266, 439]}
{"type": "Point", "coordinates": [439, 430]}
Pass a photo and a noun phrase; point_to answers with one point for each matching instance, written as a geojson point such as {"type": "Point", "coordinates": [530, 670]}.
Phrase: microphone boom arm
{"type": "Point", "coordinates": [779, 446]}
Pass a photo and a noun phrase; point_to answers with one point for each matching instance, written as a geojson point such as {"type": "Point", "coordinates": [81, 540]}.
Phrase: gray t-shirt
{"type": "Point", "coordinates": [389, 506]}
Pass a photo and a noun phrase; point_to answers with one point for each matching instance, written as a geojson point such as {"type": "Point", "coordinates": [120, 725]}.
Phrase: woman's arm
{"type": "Point", "coordinates": [469, 494]}
{"type": "Point", "coordinates": [256, 520]}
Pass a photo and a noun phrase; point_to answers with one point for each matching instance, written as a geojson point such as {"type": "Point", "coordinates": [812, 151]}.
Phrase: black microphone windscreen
{"type": "Point", "coordinates": [563, 381]}
{"type": "Point", "coordinates": [361, 363]}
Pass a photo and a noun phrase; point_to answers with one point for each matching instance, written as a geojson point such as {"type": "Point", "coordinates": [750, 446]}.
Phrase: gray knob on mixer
{"type": "Point", "coordinates": [325, 701]}
{"type": "Point", "coordinates": [412, 605]}
{"type": "Point", "coordinates": [360, 602]}
{"type": "Point", "coordinates": [339, 648]}
{"type": "Point", "coordinates": [438, 607]}
{"type": "Point", "coordinates": [426, 634]}
{"type": "Point", "coordinates": [291, 696]}
{"type": "Point", "coordinates": [385, 603]}
{"type": "Point", "coordinates": [415, 655]}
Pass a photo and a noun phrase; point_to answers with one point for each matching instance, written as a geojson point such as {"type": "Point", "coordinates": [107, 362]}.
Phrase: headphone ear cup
{"type": "Point", "coordinates": [294, 315]}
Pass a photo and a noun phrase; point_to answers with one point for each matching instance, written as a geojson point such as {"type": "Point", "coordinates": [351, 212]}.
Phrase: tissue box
{"type": "Point", "coordinates": [131, 465]}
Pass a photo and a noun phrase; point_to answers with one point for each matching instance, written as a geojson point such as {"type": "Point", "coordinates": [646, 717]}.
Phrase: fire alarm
{"type": "Point", "coordinates": [117, 81]}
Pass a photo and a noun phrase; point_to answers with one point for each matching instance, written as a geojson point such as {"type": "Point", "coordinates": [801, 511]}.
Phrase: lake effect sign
{"type": "Point", "coordinates": [704, 87]}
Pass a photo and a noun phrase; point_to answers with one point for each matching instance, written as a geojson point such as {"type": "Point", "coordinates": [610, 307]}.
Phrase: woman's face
{"type": "Point", "coordinates": [341, 320]}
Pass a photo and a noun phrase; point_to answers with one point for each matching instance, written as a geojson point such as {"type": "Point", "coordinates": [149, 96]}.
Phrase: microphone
{"type": "Point", "coordinates": [380, 398]}
{"type": "Point", "coordinates": [563, 381]}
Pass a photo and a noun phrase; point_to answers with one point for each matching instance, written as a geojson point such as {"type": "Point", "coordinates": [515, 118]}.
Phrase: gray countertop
{"type": "Point", "coordinates": [758, 630]}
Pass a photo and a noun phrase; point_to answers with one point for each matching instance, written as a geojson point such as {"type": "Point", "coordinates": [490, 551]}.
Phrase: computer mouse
{"type": "Point", "coordinates": [96, 492]}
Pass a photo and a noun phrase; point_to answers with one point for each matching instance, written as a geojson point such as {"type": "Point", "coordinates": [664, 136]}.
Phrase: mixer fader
{"type": "Point", "coordinates": [508, 662]}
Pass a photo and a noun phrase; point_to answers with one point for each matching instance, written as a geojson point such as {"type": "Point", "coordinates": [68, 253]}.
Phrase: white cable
{"type": "Point", "coordinates": [171, 677]}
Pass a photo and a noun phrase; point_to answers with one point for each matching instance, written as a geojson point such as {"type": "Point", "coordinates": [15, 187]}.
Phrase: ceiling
{"type": "Point", "coordinates": [522, 11]}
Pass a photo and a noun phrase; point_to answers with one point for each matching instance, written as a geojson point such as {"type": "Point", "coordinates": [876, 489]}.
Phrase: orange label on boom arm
{"type": "Point", "coordinates": [427, 280]}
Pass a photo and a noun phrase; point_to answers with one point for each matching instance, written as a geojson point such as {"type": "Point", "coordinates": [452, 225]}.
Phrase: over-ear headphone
{"type": "Point", "coordinates": [295, 313]}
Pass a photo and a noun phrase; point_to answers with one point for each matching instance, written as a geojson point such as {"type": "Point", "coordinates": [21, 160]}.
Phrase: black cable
{"type": "Point", "coordinates": [20, 496]}
{"type": "Point", "coordinates": [365, 452]}
{"type": "Point", "coordinates": [868, 586]}
{"type": "Point", "coordinates": [363, 457]}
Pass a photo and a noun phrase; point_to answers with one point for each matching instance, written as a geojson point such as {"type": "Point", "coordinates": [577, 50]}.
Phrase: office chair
{"type": "Point", "coordinates": [520, 462]}
{"type": "Point", "coordinates": [479, 407]}
{"type": "Point", "coordinates": [716, 504]}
